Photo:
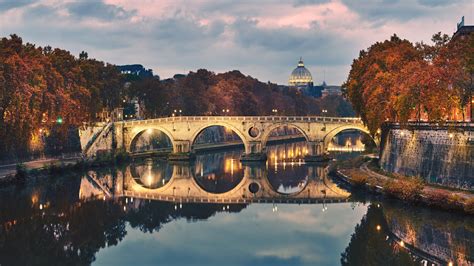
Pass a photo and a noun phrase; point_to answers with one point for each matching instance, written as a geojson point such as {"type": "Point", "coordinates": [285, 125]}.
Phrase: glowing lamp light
{"type": "Point", "coordinates": [378, 227]}
{"type": "Point", "coordinates": [59, 120]}
{"type": "Point", "coordinates": [402, 244]}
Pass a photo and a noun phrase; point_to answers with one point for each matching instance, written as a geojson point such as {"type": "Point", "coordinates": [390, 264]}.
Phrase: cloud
{"type": "Point", "coordinates": [263, 40]}
{"type": "Point", "coordinates": [99, 10]}
{"type": "Point", "coordinates": [400, 10]}
{"type": "Point", "coordinates": [10, 4]}
{"type": "Point", "coordinates": [313, 44]}
{"type": "Point", "coordinates": [309, 2]}
{"type": "Point", "coordinates": [434, 3]}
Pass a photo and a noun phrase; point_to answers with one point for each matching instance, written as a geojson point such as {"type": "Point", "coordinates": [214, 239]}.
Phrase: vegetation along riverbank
{"type": "Point", "coordinates": [363, 172]}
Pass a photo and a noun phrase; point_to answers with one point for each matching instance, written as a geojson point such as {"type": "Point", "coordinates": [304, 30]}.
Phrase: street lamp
{"type": "Point", "coordinates": [274, 111]}
{"type": "Point", "coordinates": [176, 111]}
{"type": "Point", "coordinates": [324, 111]}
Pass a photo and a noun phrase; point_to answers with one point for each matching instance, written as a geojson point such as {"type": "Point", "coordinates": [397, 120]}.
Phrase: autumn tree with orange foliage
{"type": "Point", "coordinates": [45, 91]}
{"type": "Point", "coordinates": [397, 81]}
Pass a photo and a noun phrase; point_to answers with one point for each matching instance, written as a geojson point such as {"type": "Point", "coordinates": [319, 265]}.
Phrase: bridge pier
{"type": "Point", "coordinates": [254, 152]}
{"type": "Point", "coordinates": [181, 151]}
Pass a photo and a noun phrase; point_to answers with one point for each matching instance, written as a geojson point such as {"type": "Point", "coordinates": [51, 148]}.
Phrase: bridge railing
{"type": "Point", "coordinates": [322, 119]}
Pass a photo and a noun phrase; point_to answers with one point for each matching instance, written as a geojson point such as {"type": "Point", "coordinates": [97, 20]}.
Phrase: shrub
{"type": "Point", "coordinates": [405, 188]}
{"type": "Point", "coordinates": [469, 206]}
{"type": "Point", "coordinates": [21, 173]}
{"type": "Point", "coordinates": [455, 201]}
{"type": "Point", "coordinates": [357, 177]}
{"type": "Point", "coordinates": [438, 198]}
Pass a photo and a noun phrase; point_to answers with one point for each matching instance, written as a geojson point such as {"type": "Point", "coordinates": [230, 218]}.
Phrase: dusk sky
{"type": "Point", "coordinates": [263, 39]}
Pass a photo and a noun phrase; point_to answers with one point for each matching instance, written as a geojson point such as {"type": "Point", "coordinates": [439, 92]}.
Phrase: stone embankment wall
{"type": "Point", "coordinates": [442, 156]}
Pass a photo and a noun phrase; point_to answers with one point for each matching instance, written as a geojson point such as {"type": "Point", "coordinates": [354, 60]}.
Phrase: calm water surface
{"type": "Point", "coordinates": [218, 211]}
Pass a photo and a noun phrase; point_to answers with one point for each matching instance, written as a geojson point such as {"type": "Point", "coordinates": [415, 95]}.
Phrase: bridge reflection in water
{"type": "Point", "coordinates": [222, 178]}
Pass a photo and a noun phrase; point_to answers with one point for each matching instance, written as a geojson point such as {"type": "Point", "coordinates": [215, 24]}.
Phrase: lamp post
{"type": "Point", "coordinates": [274, 111]}
{"type": "Point", "coordinates": [324, 111]}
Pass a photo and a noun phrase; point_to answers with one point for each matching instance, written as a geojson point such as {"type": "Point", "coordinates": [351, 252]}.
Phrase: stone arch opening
{"type": "Point", "coordinates": [217, 136]}
{"type": "Point", "coordinates": [351, 139]}
{"type": "Point", "coordinates": [292, 143]}
{"type": "Point", "coordinates": [151, 140]}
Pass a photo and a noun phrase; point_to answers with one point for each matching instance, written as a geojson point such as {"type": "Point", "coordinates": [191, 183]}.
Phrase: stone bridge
{"type": "Point", "coordinates": [254, 131]}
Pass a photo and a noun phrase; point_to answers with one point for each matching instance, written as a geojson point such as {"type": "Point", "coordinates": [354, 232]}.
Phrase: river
{"type": "Point", "coordinates": [218, 211]}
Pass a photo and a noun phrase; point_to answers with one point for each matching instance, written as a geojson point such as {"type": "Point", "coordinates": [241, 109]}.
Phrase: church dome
{"type": "Point", "coordinates": [300, 77]}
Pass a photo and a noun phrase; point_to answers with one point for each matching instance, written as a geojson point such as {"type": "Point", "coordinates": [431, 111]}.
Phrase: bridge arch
{"type": "Point", "coordinates": [331, 134]}
{"type": "Point", "coordinates": [134, 138]}
{"type": "Point", "coordinates": [270, 129]}
{"type": "Point", "coordinates": [234, 129]}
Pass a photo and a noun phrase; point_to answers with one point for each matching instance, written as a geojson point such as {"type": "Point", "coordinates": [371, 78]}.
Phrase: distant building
{"type": "Point", "coordinates": [135, 69]}
{"type": "Point", "coordinates": [462, 30]}
{"type": "Point", "coordinates": [300, 78]}
{"type": "Point", "coordinates": [329, 90]}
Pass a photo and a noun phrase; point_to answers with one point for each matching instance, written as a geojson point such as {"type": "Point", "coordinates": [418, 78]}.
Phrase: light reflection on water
{"type": "Point", "coordinates": [54, 225]}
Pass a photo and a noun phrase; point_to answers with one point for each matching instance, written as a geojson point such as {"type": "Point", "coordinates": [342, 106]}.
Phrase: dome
{"type": "Point", "coordinates": [300, 77]}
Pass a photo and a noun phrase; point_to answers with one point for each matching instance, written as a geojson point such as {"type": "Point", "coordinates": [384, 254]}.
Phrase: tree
{"type": "Point", "coordinates": [398, 81]}
{"type": "Point", "coordinates": [372, 82]}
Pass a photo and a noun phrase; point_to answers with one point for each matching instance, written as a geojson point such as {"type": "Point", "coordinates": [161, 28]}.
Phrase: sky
{"type": "Point", "coordinates": [263, 39]}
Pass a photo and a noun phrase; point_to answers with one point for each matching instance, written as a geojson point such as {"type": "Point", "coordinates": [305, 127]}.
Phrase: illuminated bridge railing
{"type": "Point", "coordinates": [320, 119]}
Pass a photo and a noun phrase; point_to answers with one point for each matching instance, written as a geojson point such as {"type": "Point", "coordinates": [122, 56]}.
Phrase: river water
{"type": "Point", "coordinates": [218, 211]}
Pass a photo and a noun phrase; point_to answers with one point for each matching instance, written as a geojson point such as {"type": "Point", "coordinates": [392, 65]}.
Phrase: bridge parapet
{"type": "Point", "coordinates": [321, 119]}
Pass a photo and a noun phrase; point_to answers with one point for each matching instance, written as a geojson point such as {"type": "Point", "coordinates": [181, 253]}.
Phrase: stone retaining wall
{"type": "Point", "coordinates": [441, 156]}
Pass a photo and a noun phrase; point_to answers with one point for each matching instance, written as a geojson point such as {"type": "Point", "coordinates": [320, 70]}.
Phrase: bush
{"type": "Point", "coordinates": [469, 206]}
{"type": "Point", "coordinates": [21, 173]}
{"type": "Point", "coordinates": [438, 199]}
{"type": "Point", "coordinates": [405, 188]}
{"type": "Point", "coordinates": [357, 177]}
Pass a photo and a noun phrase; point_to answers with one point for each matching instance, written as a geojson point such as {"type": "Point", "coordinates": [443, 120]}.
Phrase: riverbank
{"type": "Point", "coordinates": [363, 172]}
